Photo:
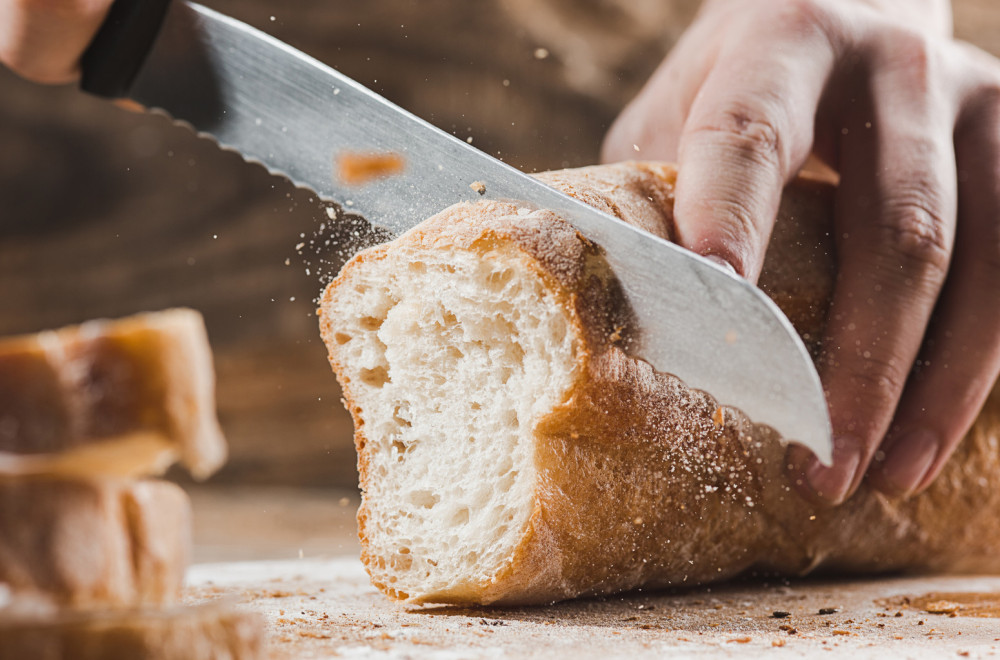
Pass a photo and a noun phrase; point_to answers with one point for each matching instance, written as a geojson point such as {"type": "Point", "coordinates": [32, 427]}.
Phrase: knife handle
{"type": "Point", "coordinates": [113, 58]}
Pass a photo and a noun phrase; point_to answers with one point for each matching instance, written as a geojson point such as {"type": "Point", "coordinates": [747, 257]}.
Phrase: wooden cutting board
{"type": "Point", "coordinates": [326, 608]}
{"type": "Point", "coordinates": [291, 554]}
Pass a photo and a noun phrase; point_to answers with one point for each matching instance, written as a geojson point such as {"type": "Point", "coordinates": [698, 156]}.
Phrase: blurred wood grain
{"type": "Point", "coordinates": [105, 212]}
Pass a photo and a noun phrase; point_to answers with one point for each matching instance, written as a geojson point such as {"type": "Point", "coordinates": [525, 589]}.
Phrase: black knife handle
{"type": "Point", "coordinates": [112, 61]}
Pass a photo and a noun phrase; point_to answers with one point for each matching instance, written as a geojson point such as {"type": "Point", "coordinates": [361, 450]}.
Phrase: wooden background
{"type": "Point", "coordinates": [106, 213]}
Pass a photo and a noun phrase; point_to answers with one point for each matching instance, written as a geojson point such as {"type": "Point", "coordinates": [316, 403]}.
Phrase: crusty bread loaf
{"type": "Point", "coordinates": [120, 398]}
{"type": "Point", "coordinates": [511, 451]}
{"type": "Point", "coordinates": [68, 543]}
{"type": "Point", "coordinates": [214, 631]}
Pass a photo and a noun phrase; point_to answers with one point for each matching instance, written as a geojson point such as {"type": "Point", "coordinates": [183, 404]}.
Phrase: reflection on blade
{"type": "Point", "coordinates": [279, 107]}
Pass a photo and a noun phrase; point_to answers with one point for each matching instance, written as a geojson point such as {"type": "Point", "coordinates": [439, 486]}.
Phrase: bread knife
{"type": "Point", "coordinates": [279, 107]}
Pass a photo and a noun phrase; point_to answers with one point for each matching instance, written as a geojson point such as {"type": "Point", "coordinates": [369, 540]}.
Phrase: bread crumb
{"type": "Point", "coordinates": [777, 642]}
{"type": "Point", "coordinates": [358, 168]}
{"type": "Point", "coordinates": [942, 607]}
{"type": "Point", "coordinates": [719, 418]}
{"type": "Point", "coordinates": [479, 187]}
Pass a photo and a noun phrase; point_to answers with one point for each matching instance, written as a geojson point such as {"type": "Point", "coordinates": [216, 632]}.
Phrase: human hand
{"type": "Point", "coordinates": [911, 120]}
{"type": "Point", "coordinates": [42, 40]}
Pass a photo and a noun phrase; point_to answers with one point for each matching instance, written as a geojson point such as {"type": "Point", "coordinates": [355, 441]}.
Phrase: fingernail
{"type": "Point", "coordinates": [834, 483]}
{"type": "Point", "coordinates": [909, 460]}
{"type": "Point", "coordinates": [719, 261]}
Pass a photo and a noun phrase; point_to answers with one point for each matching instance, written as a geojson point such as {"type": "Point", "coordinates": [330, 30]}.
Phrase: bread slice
{"type": "Point", "coordinates": [68, 543]}
{"type": "Point", "coordinates": [511, 451]}
{"type": "Point", "coordinates": [213, 631]}
{"type": "Point", "coordinates": [119, 398]}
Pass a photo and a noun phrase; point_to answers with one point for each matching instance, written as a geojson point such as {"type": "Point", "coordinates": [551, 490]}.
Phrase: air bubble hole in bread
{"type": "Point", "coordinates": [452, 359]}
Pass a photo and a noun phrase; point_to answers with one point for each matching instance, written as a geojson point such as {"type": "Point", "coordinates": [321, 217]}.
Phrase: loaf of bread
{"type": "Point", "coordinates": [214, 631]}
{"type": "Point", "coordinates": [120, 398]}
{"type": "Point", "coordinates": [511, 451]}
{"type": "Point", "coordinates": [68, 543]}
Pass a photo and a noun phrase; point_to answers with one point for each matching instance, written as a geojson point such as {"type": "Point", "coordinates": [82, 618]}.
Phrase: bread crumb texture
{"type": "Point", "coordinates": [453, 358]}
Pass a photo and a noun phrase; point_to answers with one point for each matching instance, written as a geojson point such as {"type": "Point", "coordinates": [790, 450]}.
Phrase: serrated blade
{"type": "Point", "coordinates": [275, 105]}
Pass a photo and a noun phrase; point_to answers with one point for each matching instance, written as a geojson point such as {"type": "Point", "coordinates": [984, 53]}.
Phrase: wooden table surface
{"type": "Point", "coordinates": [325, 608]}
{"type": "Point", "coordinates": [292, 555]}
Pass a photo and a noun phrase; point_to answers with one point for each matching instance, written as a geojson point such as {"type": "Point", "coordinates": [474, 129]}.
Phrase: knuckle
{"type": "Point", "coordinates": [911, 45]}
{"type": "Point", "coordinates": [797, 21]}
{"type": "Point", "coordinates": [982, 65]}
{"type": "Point", "coordinates": [802, 17]}
{"type": "Point", "coordinates": [915, 54]}
{"type": "Point", "coordinates": [913, 236]}
{"type": "Point", "coordinates": [876, 380]}
{"type": "Point", "coordinates": [754, 133]}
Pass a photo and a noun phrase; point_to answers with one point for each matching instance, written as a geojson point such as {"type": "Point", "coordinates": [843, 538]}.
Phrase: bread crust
{"type": "Point", "coordinates": [69, 543]}
{"type": "Point", "coordinates": [644, 482]}
{"type": "Point", "coordinates": [214, 631]}
{"type": "Point", "coordinates": [124, 398]}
